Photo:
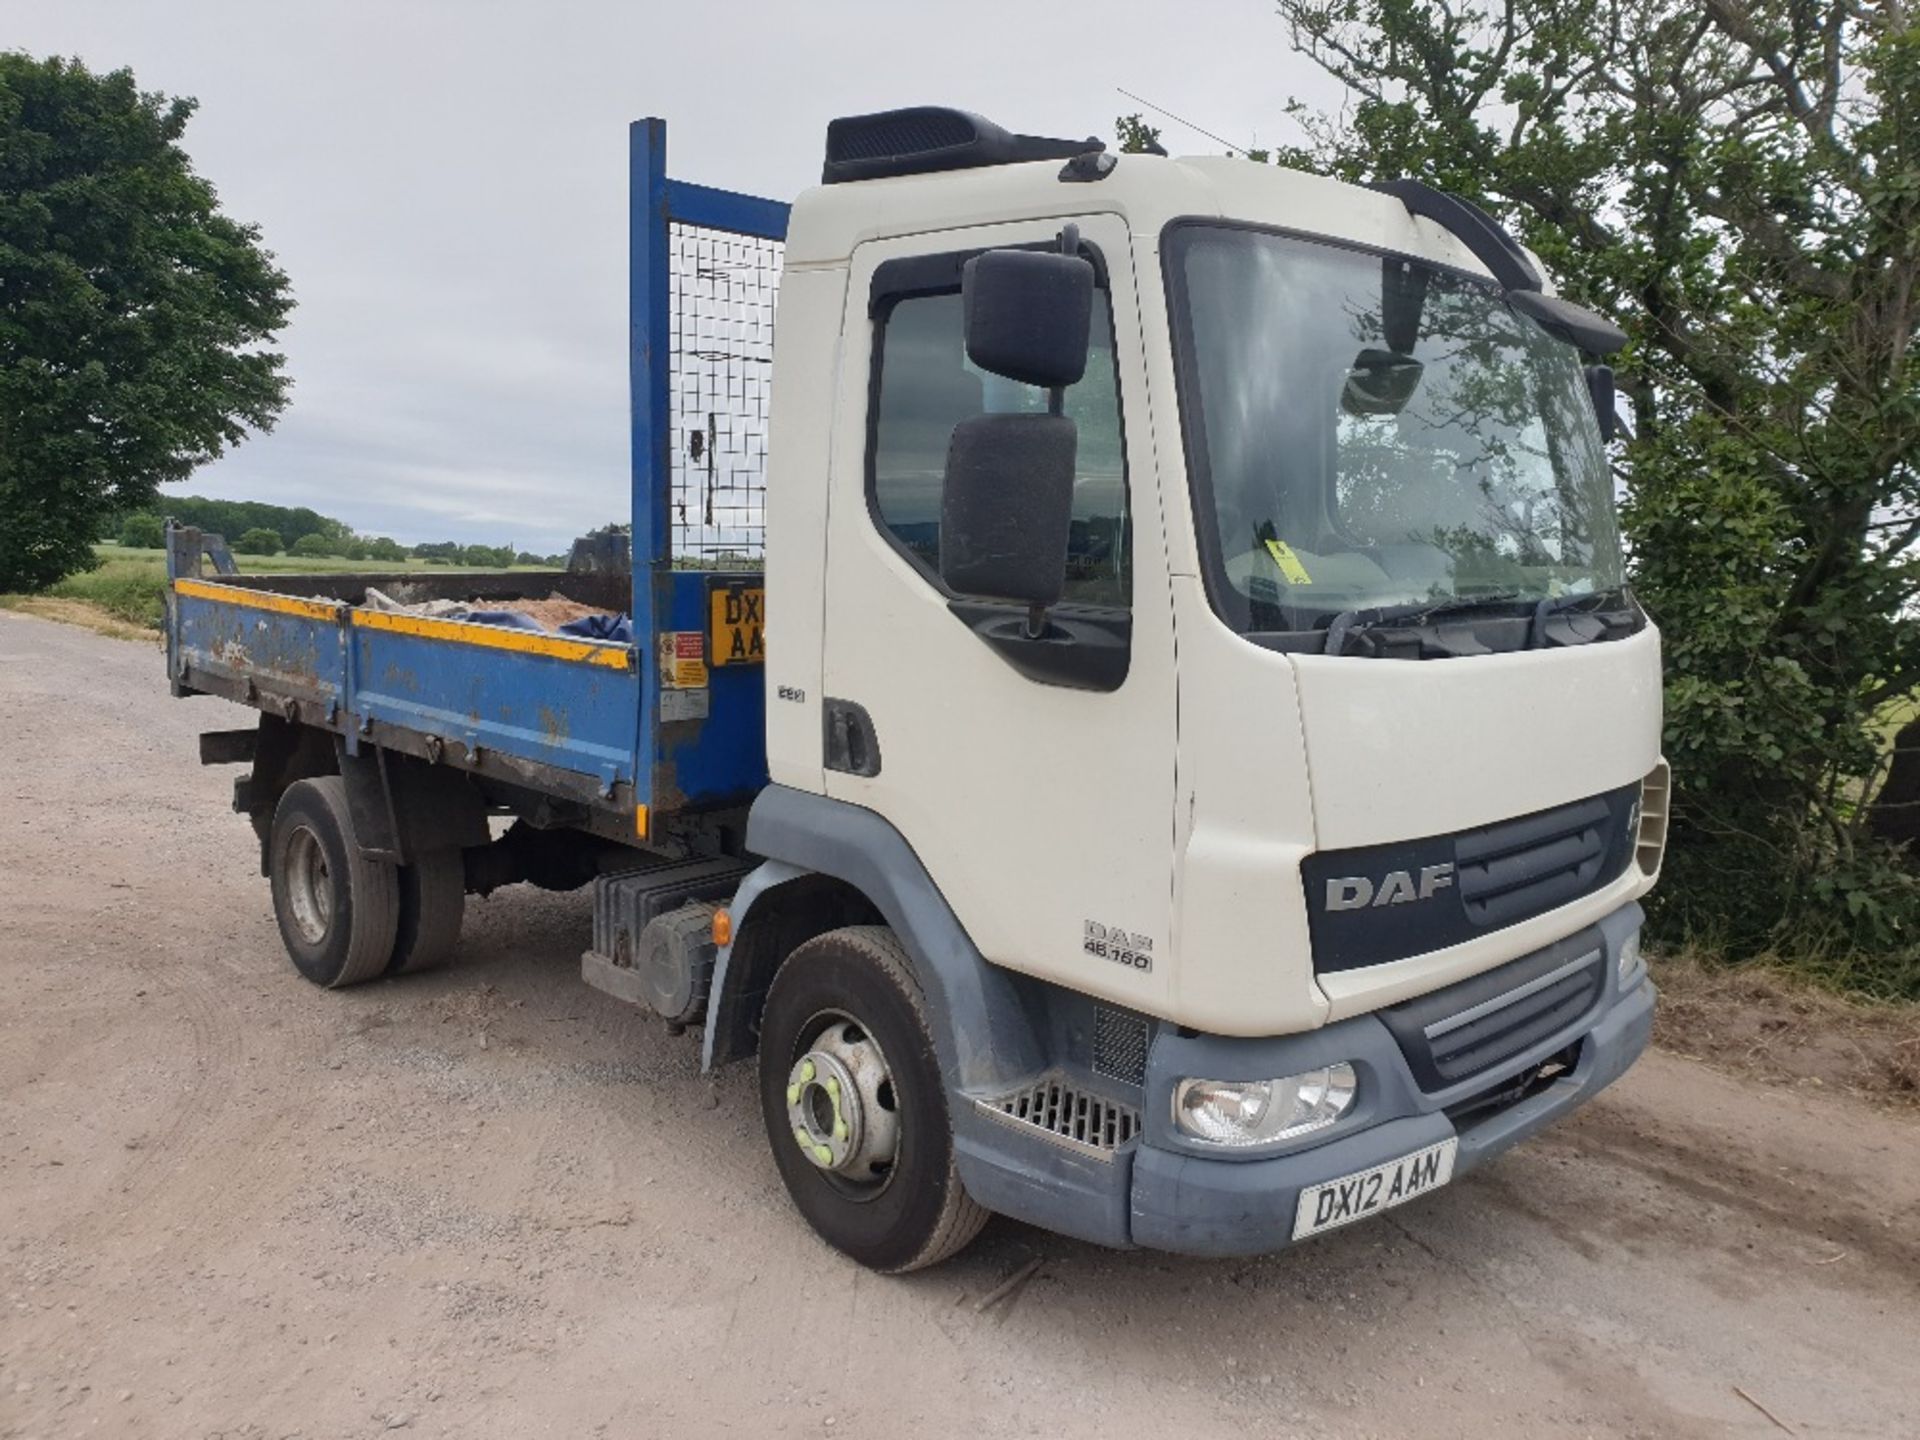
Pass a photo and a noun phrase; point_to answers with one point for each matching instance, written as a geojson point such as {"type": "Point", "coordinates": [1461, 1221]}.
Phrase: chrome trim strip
{"type": "Point", "coordinates": [1511, 997]}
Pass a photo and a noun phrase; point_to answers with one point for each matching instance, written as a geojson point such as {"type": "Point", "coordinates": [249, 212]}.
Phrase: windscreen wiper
{"type": "Point", "coordinates": [1557, 620]}
{"type": "Point", "coordinates": [1562, 619]}
{"type": "Point", "coordinates": [1419, 612]}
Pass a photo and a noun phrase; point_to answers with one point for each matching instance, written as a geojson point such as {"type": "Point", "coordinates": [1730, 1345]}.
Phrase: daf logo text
{"type": "Point", "coordinates": [1398, 887]}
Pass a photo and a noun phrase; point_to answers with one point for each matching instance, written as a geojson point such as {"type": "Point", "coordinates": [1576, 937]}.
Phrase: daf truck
{"type": "Point", "coordinates": [1124, 700]}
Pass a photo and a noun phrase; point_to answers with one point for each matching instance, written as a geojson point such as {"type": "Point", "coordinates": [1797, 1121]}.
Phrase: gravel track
{"type": "Point", "coordinates": [490, 1202]}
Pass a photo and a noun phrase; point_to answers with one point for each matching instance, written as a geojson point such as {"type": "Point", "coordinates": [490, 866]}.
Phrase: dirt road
{"type": "Point", "coordinates": [491, 1202]}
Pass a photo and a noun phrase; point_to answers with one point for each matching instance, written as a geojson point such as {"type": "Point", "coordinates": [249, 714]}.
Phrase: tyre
{"type": "Point", "coordinates": [855, 1110]}
{"type": "Point", "coordinates": [433, 898]}
{"type": "Point", "coordinates": [338, 913]}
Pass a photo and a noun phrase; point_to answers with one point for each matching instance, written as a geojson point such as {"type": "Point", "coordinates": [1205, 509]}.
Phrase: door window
{"type": "Point", "coordinates": [925, 386]}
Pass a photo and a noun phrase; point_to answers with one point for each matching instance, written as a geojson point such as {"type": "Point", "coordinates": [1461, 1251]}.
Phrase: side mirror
{"type": "Point", "coordinates": [1600, 387]}
{"type": "Point", "coordinates": [1380, 382]}
{"type": "Point", "coordinates": [1029, 315]}
{"type": "Point", "coordinates": [1006, 510]}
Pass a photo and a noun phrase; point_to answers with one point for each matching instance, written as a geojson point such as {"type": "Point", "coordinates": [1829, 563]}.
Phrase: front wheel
{"type": "Point", "coordinates": [854, 1106]}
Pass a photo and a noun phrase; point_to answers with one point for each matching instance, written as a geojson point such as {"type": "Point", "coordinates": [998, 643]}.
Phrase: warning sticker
{"type": "Point", "coordinates": [1291, 570]}
{"type": "Point", "coordinates": [739, 635]}
{"type": "Point", "coordinates": [683, 659]}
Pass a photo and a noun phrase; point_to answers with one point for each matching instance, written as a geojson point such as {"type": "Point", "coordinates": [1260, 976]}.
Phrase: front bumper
{"type": "Point", "coordinates": [1168, 1192]}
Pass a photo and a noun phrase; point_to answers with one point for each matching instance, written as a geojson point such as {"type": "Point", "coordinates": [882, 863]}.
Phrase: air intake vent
{"type": "Point", "coordinates": [1482, 1037]}
{"type": "Point", "coordinates": [1656, 804]}
{"type": "Point", "coordinates": [928, 138]}
{"type": "Point", "coordinates": [1528, 866]}
{"type": "Point", "coordinates": [1069, 1113]}
{"type": "Point", "coordinates": [1119, 1045]}
{"type": "Point", "coordinates": [1482, 1023]}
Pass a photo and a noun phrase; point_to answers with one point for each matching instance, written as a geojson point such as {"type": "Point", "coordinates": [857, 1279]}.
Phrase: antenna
{"type": "Point", "coordinates": [1179, 120]}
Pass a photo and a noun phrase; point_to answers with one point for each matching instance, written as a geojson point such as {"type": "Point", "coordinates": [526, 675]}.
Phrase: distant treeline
{"type": "Point", "coordinates": [254, 528]}
{"type": "Point", "coordinates": [233, 518]}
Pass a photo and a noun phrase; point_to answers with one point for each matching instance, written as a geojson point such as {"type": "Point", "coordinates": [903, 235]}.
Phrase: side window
{"type": "Point", "coordinates": [926, 386]}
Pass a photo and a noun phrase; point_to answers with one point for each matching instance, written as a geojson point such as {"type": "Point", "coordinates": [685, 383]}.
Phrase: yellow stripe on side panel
{"type": "Point", "coordinates": [494, 637]}
{"type": "Point", "coordinates": [259, 599]}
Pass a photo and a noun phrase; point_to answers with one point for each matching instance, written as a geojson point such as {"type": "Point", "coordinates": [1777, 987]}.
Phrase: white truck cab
{"type": "Point", "coordinates": [1290, 838]}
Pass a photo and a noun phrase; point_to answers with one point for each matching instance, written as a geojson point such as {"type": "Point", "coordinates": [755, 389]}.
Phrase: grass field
{"type": "Point", "coordinates": [1898, 713]}
{"type": "Point", "coordinates": [128, 584]}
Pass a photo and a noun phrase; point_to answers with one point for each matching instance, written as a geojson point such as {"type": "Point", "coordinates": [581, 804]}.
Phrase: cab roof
{"type": "Point", "coordinates": [1147, 192]}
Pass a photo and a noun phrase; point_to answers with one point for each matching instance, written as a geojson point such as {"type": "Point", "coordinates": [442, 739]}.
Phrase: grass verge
{"type": "Point", "coordinates": [1763, 1021]}
{"type": "Point", "coordinates": [80, 612]}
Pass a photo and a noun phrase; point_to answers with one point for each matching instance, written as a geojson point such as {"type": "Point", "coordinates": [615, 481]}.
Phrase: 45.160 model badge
{"type": "Point", "coordinates": [1110, 942]}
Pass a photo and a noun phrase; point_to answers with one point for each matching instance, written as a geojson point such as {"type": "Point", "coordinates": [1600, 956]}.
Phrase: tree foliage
{"type": "Point", "coordinates": [1737, 182]}
{"type": "Point", "coordinates": [1136, 136]}
{"type": "Point", "coordinates": [141, 531]}
{"type": "Point", "coordinates": [259, 542]}
{"type": "Point", "coordinates": [316, 547]}
{"type": "Point", "coordinates": [133, 314]}
{"type": "Point", "coordinates": [236, 517]}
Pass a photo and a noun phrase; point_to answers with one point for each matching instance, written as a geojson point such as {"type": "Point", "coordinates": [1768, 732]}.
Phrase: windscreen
{"type": "Point", "coordinates": [1367, 431]}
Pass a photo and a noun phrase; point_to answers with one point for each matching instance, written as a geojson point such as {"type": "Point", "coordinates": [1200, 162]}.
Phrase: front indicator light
{"type": "Point", "coordinates": [1629, 958]}
{"type": "Point", "coordinates": [1259, 1112]}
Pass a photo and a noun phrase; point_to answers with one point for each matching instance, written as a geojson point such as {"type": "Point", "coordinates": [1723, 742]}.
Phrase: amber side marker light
{"type": "Point", "coordinates": [722, 928]}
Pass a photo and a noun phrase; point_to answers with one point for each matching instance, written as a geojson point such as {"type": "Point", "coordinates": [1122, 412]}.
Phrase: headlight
{"type": "Point", "coordinates": [1630, 957]}
{"type": "Point", "coordinates": [1257, 1112]}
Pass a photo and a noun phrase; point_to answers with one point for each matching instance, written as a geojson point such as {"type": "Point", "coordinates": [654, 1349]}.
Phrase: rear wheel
{"type": "Point", "coordinates": [433, 899]}
{"type": "Point", "coordinates": [854, 1106]}
{"type": "Point", "coordinates": [338, 912]}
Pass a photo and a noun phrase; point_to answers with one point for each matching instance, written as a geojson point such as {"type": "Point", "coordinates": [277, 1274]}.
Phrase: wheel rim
{"type": "Point", "coordinates": [842, 1111]}
{"type": "Point", "coordinates": [309, 885]}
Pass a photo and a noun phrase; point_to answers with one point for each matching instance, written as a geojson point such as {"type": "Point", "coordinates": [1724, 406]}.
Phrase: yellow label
{"type": "Point", "coordinates": [739, 626]}
{"type": "Point", "coordinates": [1291, 570]}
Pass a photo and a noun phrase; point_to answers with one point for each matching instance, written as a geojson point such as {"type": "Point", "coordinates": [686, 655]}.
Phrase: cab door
{"type": "Point", "coordinates": [1036, 788]}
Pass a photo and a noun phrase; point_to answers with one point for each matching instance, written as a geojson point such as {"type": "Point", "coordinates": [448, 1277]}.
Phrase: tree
{"type": "Point", "coordinates": [1737, 182]}
{"type": "Point", "coordinates": [314, 547]}
{"type": "Point", "coordinates": [1136, 136]}
{"type": "Point", "coordinates": [133, 314]}
{"type": "Point", "coordinates": [382, 548]}
{"type": "Point", "coordinates": [141, 531]}
{"type": "Point", "coordinates": [259, 542]}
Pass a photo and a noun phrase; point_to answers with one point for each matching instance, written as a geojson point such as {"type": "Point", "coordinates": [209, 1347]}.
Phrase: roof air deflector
{"type": "Point", "coordinates": [928, 138]}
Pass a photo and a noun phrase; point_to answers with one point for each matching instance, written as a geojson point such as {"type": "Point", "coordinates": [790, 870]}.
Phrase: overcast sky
{"type": "Point", "coordinates": [445, 181]}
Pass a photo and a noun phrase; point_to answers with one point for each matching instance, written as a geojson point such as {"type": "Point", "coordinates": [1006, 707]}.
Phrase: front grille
{"type": "Point", "coordinates": [1374, 904]}
{"type": "Point", "coordinates": [1119, 1045]}
{"type": "Point", "coordinates": [1523, 867]}
{"type": "Point", "coordinates": [1067, 1112]}
{"type": "Point", "coordinates": [1478, 1025]}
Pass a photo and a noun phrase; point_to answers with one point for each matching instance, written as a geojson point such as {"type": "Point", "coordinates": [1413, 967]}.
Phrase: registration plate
{"type": "Point", "coordinates": [1368, 1192]}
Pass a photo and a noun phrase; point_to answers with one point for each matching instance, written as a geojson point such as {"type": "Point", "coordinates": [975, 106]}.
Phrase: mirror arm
{"type": "Point", "coordinates": [1056, 405]}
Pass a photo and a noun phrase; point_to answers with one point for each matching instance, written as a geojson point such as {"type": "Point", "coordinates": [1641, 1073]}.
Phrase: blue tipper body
{"type": "Point", "coordinates": [590, 709]}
